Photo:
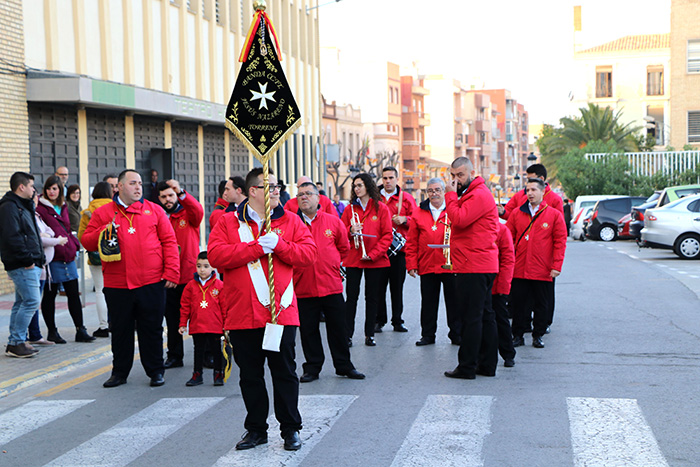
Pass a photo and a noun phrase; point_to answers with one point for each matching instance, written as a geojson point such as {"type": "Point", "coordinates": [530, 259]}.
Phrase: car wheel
{"type": "Point", "coordinates": [607, 233]}
{"type": "Point", "coordinates": [687, 246]}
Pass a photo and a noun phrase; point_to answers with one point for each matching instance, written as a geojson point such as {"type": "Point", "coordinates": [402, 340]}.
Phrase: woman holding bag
{"type": "Point", "coordinates": [62, 269]}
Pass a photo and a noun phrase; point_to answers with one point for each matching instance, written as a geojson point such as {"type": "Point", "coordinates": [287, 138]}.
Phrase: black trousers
{"type": "Point", "coordinates": [394, 278]}
{"type": "Point", "coordinates": [333, 307]}
{"type": "Point", "coordinates": [250, 358]}
{"type": "Point", "coordinates": [373, 279]}
{"type": "Point", "coordinates": [138, 309]}
{"type": "Point", "coordinates": [479, 347]}
{"type": "Point", "coordinates": [524, 292]}
{"type": "Point", "coordinates": [499, 303]}
{"type": "Point", "coordinates": [176, 349]}
{"type": "Point", "coordinates": [205, 341]}
{"type": "Point", "coordinates": [48, 303]}
{"type": "Point", "coordinates": [550, 301]}
{"type": "Point", "coordinates": [430, 301]}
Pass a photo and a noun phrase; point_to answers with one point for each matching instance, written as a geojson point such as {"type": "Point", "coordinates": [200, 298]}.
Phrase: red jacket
{"type": "Point", "coordinates": [474, 220]}
{"type": "Point", "coordinates": [421, 234]}
{"type": "Point", "coordinates": [376, 222]}
{"type": "Point", "coordinates": [408, 207]}
{"type": "Point", "coordinates": [324, 201]}
{"type": "Point", "coordinates": [240, 306]}
{"type": "Point", "coordinates": [149, 254]}
{"type": "Point", "coordinates": [203, 319]}
{"type": "Point", "coordinates": [322, 278]}
{"type": "Point", "coordinates": [186, 220]}
{"type": "Point", "coordinates": [217, 212]}
{"type": "Point", "coordinates": [540, 246]}
{"type": "Point", "coordinates": [550, 197]}
{"type": "Point", "coordinates": [60, 224]}
{"type": "Point", "coordinates": [506, 262]}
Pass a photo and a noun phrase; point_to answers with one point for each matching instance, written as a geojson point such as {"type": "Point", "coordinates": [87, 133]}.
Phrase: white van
{"type": "Point", "coordinates": [582, 207]}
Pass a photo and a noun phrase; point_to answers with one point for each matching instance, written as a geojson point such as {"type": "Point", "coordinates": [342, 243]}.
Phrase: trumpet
{"type": "Point", "coordinates": [359, 240]}
{"type": "Point", "coordinates": [446, 241]}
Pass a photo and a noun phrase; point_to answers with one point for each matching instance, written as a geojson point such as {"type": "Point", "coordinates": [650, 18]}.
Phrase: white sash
{"type": "Point", "coordinates": [258, 276]}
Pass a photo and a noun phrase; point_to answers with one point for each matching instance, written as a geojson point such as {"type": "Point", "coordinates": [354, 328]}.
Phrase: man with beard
{"type": "Point", "coordinates": [474, 219]}
{"type": "Point", "coordinates": [185, 214]}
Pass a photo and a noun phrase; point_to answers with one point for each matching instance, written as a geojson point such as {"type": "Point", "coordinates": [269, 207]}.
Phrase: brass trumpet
{"type": "Point", "coordinates": [359, 240]}
{"type": "Point", "coordinates": [446, 241]}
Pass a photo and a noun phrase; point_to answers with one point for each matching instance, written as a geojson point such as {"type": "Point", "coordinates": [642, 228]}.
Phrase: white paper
{"type": "Point", "coordinates": [273, 337]}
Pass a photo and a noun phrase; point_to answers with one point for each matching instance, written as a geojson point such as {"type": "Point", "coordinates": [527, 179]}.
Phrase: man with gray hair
{"type": "Point", "coordinates": [430, 225]}
{"type": "Point", "coordinates": [324, 201]}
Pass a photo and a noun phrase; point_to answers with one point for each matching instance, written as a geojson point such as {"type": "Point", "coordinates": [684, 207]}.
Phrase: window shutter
{"type": "Point", "coordinates": [694, 127]}
{"type": "Point", "coordinates": [694, 56]}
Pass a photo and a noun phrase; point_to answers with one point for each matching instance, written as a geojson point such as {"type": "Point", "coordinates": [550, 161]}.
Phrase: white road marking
{"type": "Point", "coordinates": [131, 438]}
{"type": "Point", "coordinates": [318, 414]}
{"type": "Point", "coordinates": [682, 272]}
{"type": "Point", "coordinates": [449, 430]}
{"type": "Point", "coordinates": [662, 265]}
{"type": "Point", "coordinates": [633, 257]}
{"type": "Point", "coordinates": [611, 432]}
{"type": "Point", "coordinates": [33, 415]}
{"type": "Point", "coordinates": [694, 277]}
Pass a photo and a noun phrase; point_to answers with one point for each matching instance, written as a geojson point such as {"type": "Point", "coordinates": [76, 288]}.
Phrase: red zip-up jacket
{"type": "Point", "coordinates": [540, 246]}
{"type": "Point", "coordinates": [217, 212]}
{"type": "Point", "coordinates": [376, 222]}
{"type": "Point", "coordinates": [520, 197]}
{"type": "Point", "coordinates": [185, 221]}
{"type": "Point", "coordinates": [474, 219]}
{"type": "Point", "coordinates": [149, 255]}
{"type": "Point", "coordinates": [200, 306]}
{"type": "Point", "coordinates": [408, 207]}
{"type": "Point", "coordinates": [324, 201]}
{"type": "Point", "coordinates": [240, 306]}
{"type": "Point", "coordinates": [322, 278]}
{"type": "Point", "coordinates": [506, 262]}
{"type": "Point", "coordinates": [421, 234]}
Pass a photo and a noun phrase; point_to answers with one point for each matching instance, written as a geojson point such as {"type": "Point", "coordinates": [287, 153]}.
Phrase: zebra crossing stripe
{"type": "Point", "coordinates": [35, 414]}
{"type": "Point", "coordinates": [611, 432]}
{"type": "Point", "coordinates": [449, 430]}
{"type": "Point", "coordinates": [131, 438]}
{"type": "Point", "coordinates": [318, 413]}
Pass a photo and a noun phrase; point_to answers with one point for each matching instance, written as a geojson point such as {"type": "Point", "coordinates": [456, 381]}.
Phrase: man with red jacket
{"type": "Point", "coordinates": [392, 196]}
{"type": "Point", "coordinates": [320, 290]}
{"type": "Point", "coordinates": [133, 286]}
{"type": "Point", "coordinates": [324, 201]}
{"type": "Point", "coordinates": [239, 249]}
{"type": "Point", "coordinates": [427, 227]}
{"type": "Point", "coordinates": [231, 193]}
{"type": "Point", "coordinates": [539, 236]}
{"type": "Point", "coordinates": [185, 214]}
{"type": "Point", "coordinates": [474, 220]}
{"type": "Point", "coordinates": [499, 295]}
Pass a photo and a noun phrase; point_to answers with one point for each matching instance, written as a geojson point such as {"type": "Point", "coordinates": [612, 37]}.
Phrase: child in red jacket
{"type": "Point", "coordinates": [200, 306]}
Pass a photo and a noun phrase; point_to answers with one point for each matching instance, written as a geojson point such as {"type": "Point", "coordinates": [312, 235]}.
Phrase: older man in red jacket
{"type": "Point", "coordinates": [539, 236]}
{"type": "Point", "coordinates": [185, 214]}
{"type": "Point", "coordinates": [324, 201]}
{"type": "Point", "coordinates": [133, 286]}
{"type": "Point", "coordinates": [474, 217]}
{"type": "Point", "coordinates": [239, 249]}
{"type": "Point", "coordinates": [320, 290]}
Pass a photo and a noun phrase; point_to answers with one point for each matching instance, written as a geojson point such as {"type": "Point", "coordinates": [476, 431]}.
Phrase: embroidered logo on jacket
{"type": "Point", "coordinates": [545, 225]}
{"type": "Point", "coordinates": [182, 224]}
{"type": "Point", "coordinates": [214, 292]}
{"type": "Point", "coordinates": [147, 212]}
{"type": "Point", "coordinates": [328, 233]}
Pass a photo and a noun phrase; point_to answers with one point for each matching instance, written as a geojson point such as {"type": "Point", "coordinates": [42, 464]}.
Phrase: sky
{"type": "Point", "coordinates": [524, 46]}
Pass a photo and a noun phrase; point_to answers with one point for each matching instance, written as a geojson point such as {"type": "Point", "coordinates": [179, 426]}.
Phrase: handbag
{"type": "Point", "coordinates": [397, 240]}
{"type": "Point", "coordinates": [94, 258]}
{"type": "Point", "coordinates": [108, 243]}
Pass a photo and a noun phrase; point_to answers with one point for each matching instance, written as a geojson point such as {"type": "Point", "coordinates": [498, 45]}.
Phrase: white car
{"type": "Point", "coordinates": [577, 232]}
{"type": "Point", "coordinates": [675, 226]}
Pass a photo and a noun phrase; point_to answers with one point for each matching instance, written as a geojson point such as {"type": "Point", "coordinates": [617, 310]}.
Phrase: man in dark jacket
{"type": "Point", "coordinates": [23, 256]}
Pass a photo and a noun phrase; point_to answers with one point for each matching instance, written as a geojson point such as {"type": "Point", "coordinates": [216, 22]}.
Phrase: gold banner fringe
{"type": "Point", "coordinates": [262, 157]}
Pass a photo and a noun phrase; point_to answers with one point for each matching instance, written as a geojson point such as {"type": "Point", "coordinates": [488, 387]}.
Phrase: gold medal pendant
{"type": "Point", "coordinates": [204, 304]}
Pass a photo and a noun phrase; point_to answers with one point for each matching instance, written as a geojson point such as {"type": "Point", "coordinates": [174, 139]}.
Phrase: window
{"type": "Point", "coordinates": [694, 127]}
{"type": "Point", "coordinates": [603, 81]}
{"type": "Point", "coordinates": [655, 81]}
{"type": "Point", "coordinates": [618, 205]}
{"type": "Point", "coordinates": [694, 56]}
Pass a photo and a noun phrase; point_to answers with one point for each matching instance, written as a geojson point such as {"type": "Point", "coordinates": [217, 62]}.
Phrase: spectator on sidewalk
{"type": "Point", "coordinates": [112, 180]}
{"type": "Point", "coordinates": [74, 207]}
{"type": "Point", "coordinates": [22, 256]}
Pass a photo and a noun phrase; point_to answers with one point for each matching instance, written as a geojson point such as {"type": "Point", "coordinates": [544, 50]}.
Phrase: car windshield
{"type": "Point", "coordinates": [653, 197]}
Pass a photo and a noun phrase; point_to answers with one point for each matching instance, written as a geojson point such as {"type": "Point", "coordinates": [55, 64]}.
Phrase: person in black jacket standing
{"type": "Point", "coordinates": [22, 254]}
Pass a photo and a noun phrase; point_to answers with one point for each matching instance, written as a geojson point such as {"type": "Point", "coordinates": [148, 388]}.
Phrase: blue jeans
{"type": "Point", "coordinates": [34, 329]}
{"type": "Point", "coordinates": [27, 299]}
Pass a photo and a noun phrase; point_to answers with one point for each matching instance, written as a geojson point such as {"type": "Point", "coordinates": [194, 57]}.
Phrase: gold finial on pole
{"type": "Point", "coordinates": [259, 5]}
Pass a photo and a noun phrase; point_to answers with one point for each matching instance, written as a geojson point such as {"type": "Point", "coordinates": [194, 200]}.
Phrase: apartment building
{"type": "Point", "coordinates": [685, 73]}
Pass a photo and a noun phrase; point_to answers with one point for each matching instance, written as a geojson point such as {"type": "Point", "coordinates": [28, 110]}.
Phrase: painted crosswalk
{"type": "Point", "coordinates": [24, 419]}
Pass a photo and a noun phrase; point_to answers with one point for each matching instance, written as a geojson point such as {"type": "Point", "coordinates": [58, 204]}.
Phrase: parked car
{"type": "Point", "coordinates": [606, 213]}
{"type": "Point", "coordinates": [672, 193]}
{"type": "Point", "coordinates": [581, 209]}
{"type": "Point", "coordinates": [623, 227]}
{"type": "Point", "coordinates": [637, 214]}
{"type": "Point", "coordinates": [675, 226]}
{"type": "Point", "coordinates": [577, 223]}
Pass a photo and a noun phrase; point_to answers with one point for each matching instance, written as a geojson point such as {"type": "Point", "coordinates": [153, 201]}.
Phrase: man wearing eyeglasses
{"type": "Point", "coordinates": [62, 173]}
{"type": "Point", "coordinates": [239, 248]}
{"type": "Point", "coordinates": [427, 227]}
{"type": "Point", "coordinates": [324, 201]}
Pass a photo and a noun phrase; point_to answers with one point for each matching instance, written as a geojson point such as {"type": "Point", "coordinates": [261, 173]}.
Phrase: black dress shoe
{"type": "Point", "coordinates": [114, 381]}
{"type": "Point", "coordinates": [537, 342]}
{"type": "Point", "coordinates": [425, 341]}
{"type": "Point", "coordinates": [400, 328]}
{"type": "Point", "coordinates": [456, 341]}
{"type": "Point", "coordinates": [157, 380]}
{"type": "Point", "coordinates": [173, 363]}
{"type": "Point", "coordinates": [484, 372]}
{"type": "Point", "coordinates": [518, 341]}
{"type": "Point", "coordinates": [378, 328]}
{"type": "Point", "coordinates": [352, 374]}
{"type": "Point", "coordinates": [548, 330]}
{"type": "Point", "coordinates": [458, 374]}
{"type": "Point", "coordinates": [251, 439]}
{"type": "Point", "coordinates": [369, 341]}
{"type": "Point", "coordinates": [101, 333]}
{"type": "Point", "coordinates": [308, 377]}
{"type": "Point", "coordinates": [509, 363]}
{"type": "Point", "coordinates": [292, 442]}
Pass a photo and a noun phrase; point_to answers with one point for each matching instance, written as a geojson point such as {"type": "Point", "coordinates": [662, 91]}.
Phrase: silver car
{"type": "Point", "coordinates": [675, 226]}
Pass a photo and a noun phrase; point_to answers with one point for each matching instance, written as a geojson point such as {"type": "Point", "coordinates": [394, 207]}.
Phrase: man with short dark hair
{"type": "Point", "coordinates": [23, 257]}
{"type": "Point", "coordinates": [232, 195]}
{"type": "Point", "coordinates": [152, 192]}
{"type": "Point", "coordinates": [113, 182]}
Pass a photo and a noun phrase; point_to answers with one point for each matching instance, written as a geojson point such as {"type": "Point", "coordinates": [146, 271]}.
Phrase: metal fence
{"type": "Point", "coordinates": [649, 163]}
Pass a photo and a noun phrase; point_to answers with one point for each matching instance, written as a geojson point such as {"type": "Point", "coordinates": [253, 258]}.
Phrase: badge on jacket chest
{"type": "Point", "coordinates": [433, 228]}
{"type": "Point", "coordinates": [182, 224]}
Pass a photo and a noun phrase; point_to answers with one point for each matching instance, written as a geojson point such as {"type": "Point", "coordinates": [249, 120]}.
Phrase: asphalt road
{"type": "Point", "coordinates": [616, 384]}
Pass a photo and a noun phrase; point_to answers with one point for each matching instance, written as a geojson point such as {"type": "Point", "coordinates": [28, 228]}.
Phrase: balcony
{"type": "Point", "coordinates": [483, 125]}
{"type": "Point", "coordinates": [420, 90]}
{"type": "Point", "coordinates": [414, 119]}
{"type": "Point", "coordinates": [481, 100]}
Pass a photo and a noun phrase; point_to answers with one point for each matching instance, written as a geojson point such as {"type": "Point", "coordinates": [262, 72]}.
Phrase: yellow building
{"type": "Point", "coordinates": [685, 73]}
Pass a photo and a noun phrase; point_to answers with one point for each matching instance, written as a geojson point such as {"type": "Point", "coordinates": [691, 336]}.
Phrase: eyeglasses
{"type": "Point", "coordinates": [435, 191]}
{"type": "Point", "coordinates": [272, 187]}
{"type": "Point", "coordinates": [307, 194]}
